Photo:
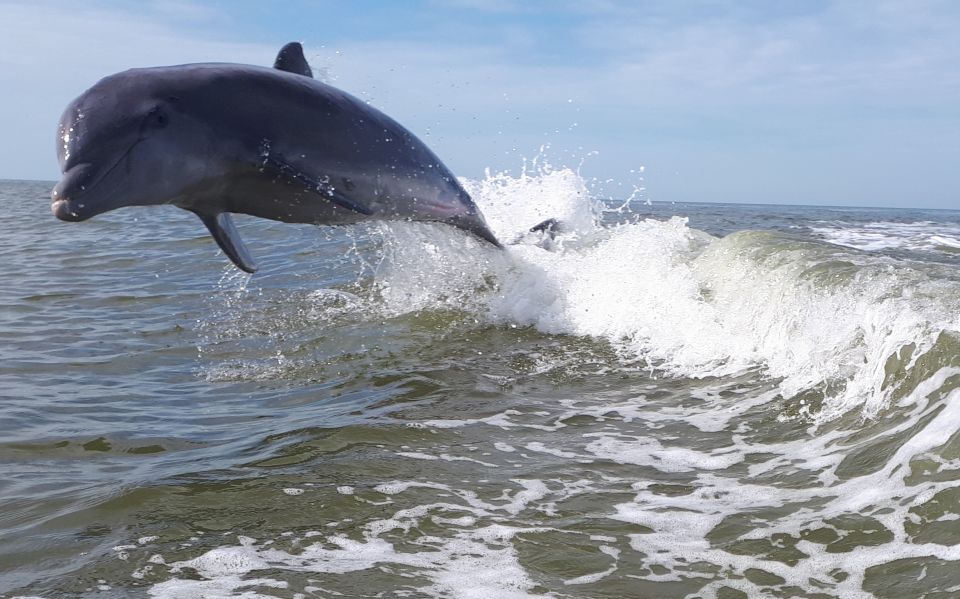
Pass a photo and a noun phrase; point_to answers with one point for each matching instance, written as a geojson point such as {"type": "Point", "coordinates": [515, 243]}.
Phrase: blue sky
{"type": "Point", "coordinates": [803, 102]}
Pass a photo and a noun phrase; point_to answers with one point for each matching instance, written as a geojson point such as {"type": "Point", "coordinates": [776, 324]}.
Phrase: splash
{"type": "Point", "coordinates": [842, 327]}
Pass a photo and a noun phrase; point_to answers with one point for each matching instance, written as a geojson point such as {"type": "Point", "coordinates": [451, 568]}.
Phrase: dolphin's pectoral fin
{"type": "Point", "coordinates": [221, 228]}
{"type": "Point", "coordinates": [323, 188]}
{"type": "Point", "coordinates": [291, 59]}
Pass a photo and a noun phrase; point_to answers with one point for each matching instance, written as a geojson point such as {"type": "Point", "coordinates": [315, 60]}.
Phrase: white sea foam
{"type": "Point", "coordinates": [925, 236]}
{"type": "Point", "coordinates": [476, 556]}
{"type": "Point", "coordinates": [472, 564]}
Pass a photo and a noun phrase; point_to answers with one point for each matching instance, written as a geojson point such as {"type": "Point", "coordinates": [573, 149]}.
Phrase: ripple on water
{"type": "Point", "coordinates": [646, 410]}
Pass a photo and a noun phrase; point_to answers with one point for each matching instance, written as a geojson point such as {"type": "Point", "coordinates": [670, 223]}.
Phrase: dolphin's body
{"type": "Point", "coordinates": [225, 138]}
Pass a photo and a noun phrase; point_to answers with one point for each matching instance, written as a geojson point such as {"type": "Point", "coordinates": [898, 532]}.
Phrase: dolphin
{"type": "Point", "coordinates": [222, 138]}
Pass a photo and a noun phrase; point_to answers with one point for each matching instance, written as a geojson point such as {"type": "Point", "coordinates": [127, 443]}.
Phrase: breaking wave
{"type": "Point", "coordinates": [849, 329]}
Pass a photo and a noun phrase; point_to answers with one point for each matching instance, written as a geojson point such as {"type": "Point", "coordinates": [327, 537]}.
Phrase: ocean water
{"type": "Point", "coordinates": [666, 401]}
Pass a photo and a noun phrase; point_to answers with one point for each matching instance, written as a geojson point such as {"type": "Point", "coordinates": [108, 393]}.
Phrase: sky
{"type": "Point", "coordinates": [827, 102]}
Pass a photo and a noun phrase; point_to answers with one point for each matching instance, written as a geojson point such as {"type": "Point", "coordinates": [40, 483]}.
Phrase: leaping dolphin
{"type": "Point", "coordinates": [222, 138]}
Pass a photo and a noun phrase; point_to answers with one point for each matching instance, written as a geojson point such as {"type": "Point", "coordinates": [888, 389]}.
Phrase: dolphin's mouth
{"type": "Point", "coordinates": [77, 183]}
{"type": "Point", "coordinates": [66, 210]}
{"type": "Point", "coordinates": [74, 182]}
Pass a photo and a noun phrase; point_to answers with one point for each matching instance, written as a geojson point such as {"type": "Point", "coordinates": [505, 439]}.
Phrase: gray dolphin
{"type": "Point", "coordinates": [225, 138]}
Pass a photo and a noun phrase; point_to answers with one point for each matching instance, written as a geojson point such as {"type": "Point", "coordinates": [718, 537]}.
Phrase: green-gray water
{"type": "Point", "coordinates": [731, 406]}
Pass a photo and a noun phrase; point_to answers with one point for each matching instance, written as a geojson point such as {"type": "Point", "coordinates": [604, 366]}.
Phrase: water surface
{"type": "Point", "coordinates": [697, 400]}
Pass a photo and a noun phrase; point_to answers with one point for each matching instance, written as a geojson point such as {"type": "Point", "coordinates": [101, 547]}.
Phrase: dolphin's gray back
{"type": "Point", "coordinates": [321, 134]}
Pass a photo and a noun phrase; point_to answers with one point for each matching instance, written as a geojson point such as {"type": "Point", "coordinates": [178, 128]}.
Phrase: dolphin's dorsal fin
{"type": "Point", "coordinates": [291, 59]}
{"type": "Point", "coordinates": [225, 234]}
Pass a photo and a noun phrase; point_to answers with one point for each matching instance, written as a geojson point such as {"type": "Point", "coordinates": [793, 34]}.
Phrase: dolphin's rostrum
{"type": "Point", "coordinates": [223, 138]}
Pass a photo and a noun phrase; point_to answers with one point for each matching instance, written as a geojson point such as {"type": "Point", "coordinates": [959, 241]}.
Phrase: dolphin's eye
{"type": "Point", "coordinates": [158, 118]}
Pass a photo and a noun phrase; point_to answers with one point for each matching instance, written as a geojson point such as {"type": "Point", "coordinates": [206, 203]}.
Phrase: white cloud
{"type": "Point", "coordinates": [185, 9]}
{"type": "Point", "coordinates": [505, 6]}
{"type": "Point", "coordinates": [843, 53]}
{"type": "Point", "coordinates": [727, 96]}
